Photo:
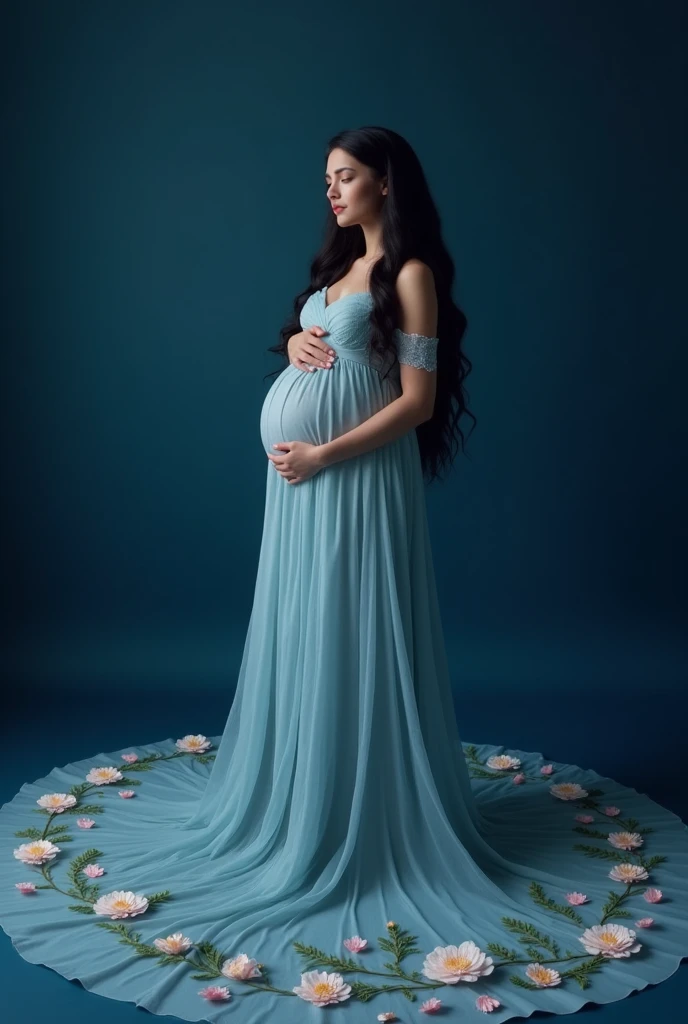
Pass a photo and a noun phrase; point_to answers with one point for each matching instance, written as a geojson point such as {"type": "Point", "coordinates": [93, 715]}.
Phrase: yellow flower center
{"type": "Point", "coordinates": [120, 904]}
{"type": "Point", "coordinates": [458, 963]}
{"type": "Point", "coordinates": [609, 938]}
{"type": "Point", "coordinates": [35, 848]}
{"type": "Point", "coordinates": [322, 988]}
{"type": "Point", "coordinates": [540, 973]}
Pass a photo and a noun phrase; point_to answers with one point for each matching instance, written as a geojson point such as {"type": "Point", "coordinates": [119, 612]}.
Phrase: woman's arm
{"type": "Point", "coordinates": [418, 300]}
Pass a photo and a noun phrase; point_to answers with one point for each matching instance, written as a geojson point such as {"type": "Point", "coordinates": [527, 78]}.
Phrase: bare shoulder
{"type": "Point", "coordinates": [415, 286]}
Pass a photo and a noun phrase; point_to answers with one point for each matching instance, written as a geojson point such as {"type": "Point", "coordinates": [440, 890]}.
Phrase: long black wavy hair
{"type": "Point", "coordinates": [410, 228]}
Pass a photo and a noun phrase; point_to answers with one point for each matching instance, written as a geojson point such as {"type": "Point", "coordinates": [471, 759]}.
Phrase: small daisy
{"type": "Point", "coordinates": [85, 822]}
{"type": "Point", "coordinates": [130, 758]}
{"type": "Point", "coordinates": [94, 871]}
{"type": "Point", "coordinates": [26, 887]}
{"type": "Point", "coordinates": [432, 1005]}
{"type": "Point", "coordinates": [126, 794]}
{"type": "Point", "coordinates": [611, 940]}
{"type": "Point", "coordinates": [321, 988]}
{"type": "Point", "coordinates": [544, 977]}
{"type": "Point", "coordinates": [103, 776]}
{"type": "Point", "coordinates": [546, 769]}
{"type": "Point", "coordinates": [451, 964]}
{"type": "Point", "coordinates": [388, 1015]}
{"type": "Point", "coordinates": [36, 852]}
{"type": "Point", "coordinates": [215, 993]}
{"type": "Point", "coordinates": [519, 779]}
{"type": "Point", "coordinates": [487, 1003]}
{"type": "Point", "coordinates": [355, 944]}
{"type": "Point", "coordinates": [174, 944]}
{"type": "Point", "coordinates": [194, 744]}
{"type": "Point", "coordinates": [241, 967]}
{"type": "Point", "coordinates": [120, 904]}
{"type": "Point", "coordinates": [576, 898]}
{"type": "Point", "coordinates": [568, 791]}
{"type": "Point", "coordinates": [625, 840]}
{"type": "Point", "coordinates": [652, 895]}
{"type": "Point", "coordinates": [56, 803]}
{"type": "Point", "coordinates": [628, 873]}
{"type": "Point", "coordinates": [503, 762]}
{"type": "Point", "coordinates": [645, 922]}
{"type": "Point", "coordinates": [611, 811]}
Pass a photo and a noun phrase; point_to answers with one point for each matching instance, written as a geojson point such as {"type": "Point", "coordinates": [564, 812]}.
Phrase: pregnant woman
{"type": "Point", "coordinates": [338, 843]}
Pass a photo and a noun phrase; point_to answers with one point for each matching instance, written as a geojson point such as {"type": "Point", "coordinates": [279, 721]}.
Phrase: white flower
{"type": "Point", "coordinates": [457, 963]}
{"type": "Point", "coordinates": [544, 977]}
{"type": "Point", "coordinates": [568, 791]}
{"type": "Point", "coordinates": [625, 840]}
{"type": "Point", "coordinates": [38, 851]}
{"type": "Point", "coordinates": [321, 988]}
{"type": "Point", "coordinates": [240, 967]}
{"type": "Point", "coordinates": [56, 802]}
{"type": "Point", "coordinates": [93, 871]}
{"type": "Point", "coordinates": [611, 940]}
{"type": "Point", "coordinates": [503, 761]}
{"type": "Point", "coordinates": [194, 744]}
{"type": "Point", "coordinates": [173, 944]}
{"type": "Point", "coordinates": [388, 1015]}
{"type": "Point", "coordinates": [120, 904]}
{"type": "Point", "coordinates": [102, 776]}
{"type": "Point", "coordinates": [628, 873]}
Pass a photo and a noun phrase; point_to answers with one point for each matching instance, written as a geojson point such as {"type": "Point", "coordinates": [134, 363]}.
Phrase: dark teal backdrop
{"type": "Point", "coordinates": [163, 196]}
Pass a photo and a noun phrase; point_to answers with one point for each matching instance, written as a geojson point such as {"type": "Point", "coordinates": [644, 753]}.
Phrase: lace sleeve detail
{"type": "Point", "coordinates": [416, 349]}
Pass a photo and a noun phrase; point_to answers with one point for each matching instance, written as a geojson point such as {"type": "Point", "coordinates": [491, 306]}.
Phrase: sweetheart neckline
{"type": "Point", "coordinates": [350, 295]}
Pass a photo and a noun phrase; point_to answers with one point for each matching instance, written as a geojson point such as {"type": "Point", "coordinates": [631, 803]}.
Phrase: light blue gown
{"type": "Point", "coordinates": [341, 797]}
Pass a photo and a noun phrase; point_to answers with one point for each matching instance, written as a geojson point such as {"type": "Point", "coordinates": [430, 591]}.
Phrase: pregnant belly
{"type": "Point", "coordinates": [319, 406]}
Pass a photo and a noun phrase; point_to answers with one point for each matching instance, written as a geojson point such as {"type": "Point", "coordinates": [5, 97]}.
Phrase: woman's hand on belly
{"type": "Point", "coordinates": [301, 461]}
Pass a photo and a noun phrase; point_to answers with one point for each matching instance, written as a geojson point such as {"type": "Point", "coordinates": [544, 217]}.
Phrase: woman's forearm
{"type": "Point", "coordinates": [393, 421]}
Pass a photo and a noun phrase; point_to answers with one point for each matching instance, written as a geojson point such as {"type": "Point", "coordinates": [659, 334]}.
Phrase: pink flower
{"type": "Point", "coordinates": [215, 993]}
{"type": "Point", "coordinates": [585, 818]}
{"type": "Point", "coordinates": [432, 1005]}
{"type": "Point", "coordinates": [487, 1003]}
{"type": "Point", "coordinates": [546, 769]}
{"type": "Point", "coordinates": [126, 794]}
{"type": "Point", "coordinates": [518, 779]}
{"type": "Point", "coordinates": [388, 1015]}
{"type": "Point", "coordinates": [355, 944]}
{"type": "Point", "coordinates": [611, 811]}
{"type": "Point", "coordinates": [94, 870]}
{"type": "Point", "coordinates": [85, 822]}
{"type": "Point", "coordinates": [25, 887]}
{"type": "Point", "coordinates": [645, 922]}
{"type": "Point", "coordinates": [130, 758]}
{"type": "Point", "coordinates": [576, 898]}
{"type": "Point", "coordinates": [652, 895]}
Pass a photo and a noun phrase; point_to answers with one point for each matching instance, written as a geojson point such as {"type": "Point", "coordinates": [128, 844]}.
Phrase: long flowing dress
{"type": "Point", "coordinates": [339, 843]}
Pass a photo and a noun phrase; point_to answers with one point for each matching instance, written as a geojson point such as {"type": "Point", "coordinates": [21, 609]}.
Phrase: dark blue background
{"type": "Point", "coordinates": [163, 197]}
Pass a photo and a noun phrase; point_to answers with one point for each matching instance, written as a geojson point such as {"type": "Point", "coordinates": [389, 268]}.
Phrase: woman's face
{"type": "Point", "coordinates": [352, 189]}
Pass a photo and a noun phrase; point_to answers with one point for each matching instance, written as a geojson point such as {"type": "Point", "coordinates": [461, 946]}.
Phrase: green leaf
{"type": "Point", "coordinates": [159, 897]}
{"type": "Point", "coordinates": [81, 908]}
{"type": "Point", "coordinates": [521, 982]}
{"type": "Point", "coordinates": [29, 833]}
{"type": "Point", "coordinates": [596, 851]}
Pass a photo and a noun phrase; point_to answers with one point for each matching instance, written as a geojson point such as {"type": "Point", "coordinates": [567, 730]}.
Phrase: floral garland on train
{"type": "Point", "coordinates": [322, 978]}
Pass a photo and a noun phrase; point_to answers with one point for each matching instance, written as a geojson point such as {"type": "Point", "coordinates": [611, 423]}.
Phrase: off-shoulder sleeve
{"type": "Point", "coordinates": [416, 349]}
